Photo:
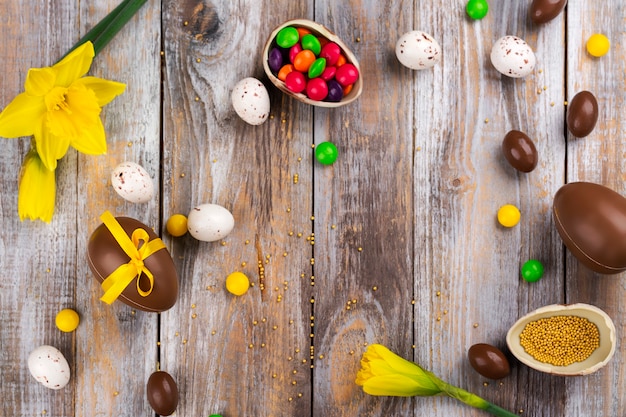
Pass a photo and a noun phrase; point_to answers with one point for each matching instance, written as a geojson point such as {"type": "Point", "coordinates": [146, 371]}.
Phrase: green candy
{"type": "Point", "coordinates": [532, 270]}
{"type": "Point", "coordinates": [477, 9]}
{"type": "Point", "coordinates": [287, 37]}
{"type": "Point", "coordinates": [326, 153]}
{"type": "Point", "coordinates": [311, 43]}
{"type": "Point", "coordinates": [317, 67]}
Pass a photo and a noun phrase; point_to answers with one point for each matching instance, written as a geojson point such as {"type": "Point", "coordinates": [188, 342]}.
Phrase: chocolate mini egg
{"type": "Point", "coordinates": [489, 361]}
{"type": "Point", "coordinates": [132, 182]}
{"type": "Point", "coordinates": [513, 57]}
{"type": "Point", "coordinates": [520, 151]}
{"type": "Point", "coordinates": [591, 220]}
{"type": "Point", "coordinates": [582, 114]}
{"type": "Point", "coordinates": [418, 50]}
{"type": "Point", "coordinates": [49, 367]}
{"type": "Point", "coordinates": [542, 11]}
{"type": "Point", "coordinates": [251, 101]}
{"type": "Point", "coordinates": [210, 222]}
{"type": "Point", "coordinates": [105, 255]}
{"type": "Point", "coordinates": [162, 393]}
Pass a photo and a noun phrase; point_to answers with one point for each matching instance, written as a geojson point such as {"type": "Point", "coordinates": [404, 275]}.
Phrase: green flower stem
{"type": "Point", "coordinates": [101, 34]}
{"type": "Point", "coordinates": [468, 398]}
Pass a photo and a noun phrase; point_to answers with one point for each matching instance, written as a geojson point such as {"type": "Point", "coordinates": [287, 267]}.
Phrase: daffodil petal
{"type": "Point", "coordinates": [92, 141]}
{"type": "Point", "coordinates": [17, 119]}
{"type": "Point", "coordinates": [105, 90]}
{"type": "Point", "coordinates": [395, 386]}
{"type": "Point", "coordinates": [40, 81]}
{"type": "Point", "coordinates": [75, 65]}
{"type": "Point", "coordinates": [37, 190]}
{"type": "Point", "coordinates": [78, 112]}
{"type": "Point", "coordinates": [49, 146]}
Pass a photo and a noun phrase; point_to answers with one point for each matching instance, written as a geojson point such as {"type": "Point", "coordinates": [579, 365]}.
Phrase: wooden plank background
{"type": "Point", "coordinates": [396, 243]}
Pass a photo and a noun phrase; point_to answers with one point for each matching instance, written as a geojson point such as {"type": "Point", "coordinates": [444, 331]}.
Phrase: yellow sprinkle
{"type": "Point", "coordinates": [115, 393]}
{"type": "Point", "coordinates": [374, 288]}
{"type": "Point", "coordinates": [487, 120]}
{"type": "Point", "coordinates": [198, 60]}
{"type": "Point", "coordinates": [185, 23]}
{"type": "Point", "coordinates": [247, 242]}
{"type": "Point", "coordinates": [334, 226]}
{"type": "Point", "coordinates": [360, 249]}
{"type": "Point", "coordinates": [182, 175]}
{"type": "Point", "coordinates": [250, 346]}
{"type": "Point", "coordinates": [475, 325]}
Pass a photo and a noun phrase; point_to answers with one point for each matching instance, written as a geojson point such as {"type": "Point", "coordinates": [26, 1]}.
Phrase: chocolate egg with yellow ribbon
{"type": "Point", "coordinates": [132, 264]}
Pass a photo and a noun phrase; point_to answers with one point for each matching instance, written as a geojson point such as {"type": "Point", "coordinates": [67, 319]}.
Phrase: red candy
{"type": "Point", "coordinates": [316, 89]}
{"type": "Point", "coordinates": [295, 81]}
{"type": "Point", "coordinates": [331, 52]}
{"type": "Point", "coordinates": [338, 74]}
{"type": "Point", "coordinates": [347, 74]}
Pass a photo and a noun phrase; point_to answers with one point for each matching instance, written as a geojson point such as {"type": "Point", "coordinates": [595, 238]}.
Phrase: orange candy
{"type": "Point", "coordinates": [302, 31]}
{"type": "Point", "coordinates": [284, 70]}
{"type": "Point", "coordinates": [340, 61]}
{"type": "Point", "coordinates": [347, 89]}
{"type": "Point", "coordinates": [303, 60]}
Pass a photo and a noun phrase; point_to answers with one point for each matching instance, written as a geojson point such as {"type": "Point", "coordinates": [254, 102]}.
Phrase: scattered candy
{"type": "Point", "coordinates": [598, 45]}
{"type": "Point", "coordinates": [49, 367]}
{"type": "Point", "coordinates": [326, 153]}
{"type": "Point", "coordinates": [132, 182]}
{"type": "Point", "coordinates": [477, 9]}
{"type": "Point", "coordinates": [237, 283]}
{"type": "Point", "coordinates": [177, 225]}
{"type": "Point", "coordinates": [251, 101]}
{"type": "Point", "coordinates": [311, 65]}
{"type": "Point", "coordinates": [210, 222]}
{"type": "Point", "coordinates": [508, 215]}
{"type": "Point", "coordinates": [67, 320]}
{"type": "Point", "coordinates": [532, 270]}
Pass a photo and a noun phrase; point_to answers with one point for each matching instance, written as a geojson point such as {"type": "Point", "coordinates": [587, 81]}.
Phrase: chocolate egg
{"type": "Point", "coordinates": [489, 361]}
{"type": "Point", "coordinates": [520, 151]}
{"type": "Point", "coordinates": [105, 255]}
{"type": "Point", "coordinates": [582, 114]}
{"type": "Point", "coordinates": [162, 393]}
{"type": "Point", "coordinates": [542, 11]}
{"type": "Point", "coordinates": [591, 220]}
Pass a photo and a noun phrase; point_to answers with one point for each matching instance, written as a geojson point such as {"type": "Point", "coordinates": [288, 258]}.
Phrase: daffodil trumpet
{"type": "Point", "coordinates": [383, 373]}
{"type": "Point", "coordinates": [59, 108]}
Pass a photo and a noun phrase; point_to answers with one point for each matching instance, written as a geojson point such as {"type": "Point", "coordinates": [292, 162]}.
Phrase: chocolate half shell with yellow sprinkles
{"type": "Point", "coordinates": [563, 339]}
{"type": "Point", "coordinates": [132, 264]}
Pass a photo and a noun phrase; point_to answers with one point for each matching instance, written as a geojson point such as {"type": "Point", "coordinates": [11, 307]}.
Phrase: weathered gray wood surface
{"type": "Point", "coordinates": [407, 251]}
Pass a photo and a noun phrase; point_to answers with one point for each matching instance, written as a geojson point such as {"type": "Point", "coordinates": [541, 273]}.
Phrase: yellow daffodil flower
{"type": "Point", "coordinates": [61, 108]}
{"type": "Point", "coordinates": [383, 373]}
{"type": "Point", "coordinates": [37, 188]}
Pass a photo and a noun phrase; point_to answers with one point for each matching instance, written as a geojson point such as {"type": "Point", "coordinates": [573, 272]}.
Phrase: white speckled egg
{"type": "Point", "coordinates": [251, 101]}
{"type": "Point", "coordinates": [132, 182]}
{"type": "Point", "coordinates": [210, 222]}
{"type": "Point", "coordinates": [49, 367]}
{"type": "Point", "coordinates": [513, 57]}
{"type": "Point", "coordinates": [418, 50]}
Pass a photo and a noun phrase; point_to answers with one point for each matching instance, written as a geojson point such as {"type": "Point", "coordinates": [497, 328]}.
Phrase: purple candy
{"type": "Point", "coordinates": [275, 59]}
{"type": "Point", "coordinates": [335, 91]}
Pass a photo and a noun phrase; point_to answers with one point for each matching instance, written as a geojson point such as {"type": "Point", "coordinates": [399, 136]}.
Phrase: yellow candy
{"type": "Point", "coordinates": [67, 320]}
{"type": "Point", "coordinates": [508, 215]}
{"type": "Point", "coordinates": [177, 225]}
{"type": "Point", "coordinates": [237, 283]}
{"type": "Point", "coordinates": [598, 45]}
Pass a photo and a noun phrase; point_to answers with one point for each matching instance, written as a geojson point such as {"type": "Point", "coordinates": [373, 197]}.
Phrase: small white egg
{"type": "Point", "coordinates": [49, 367]}
{"type": "Point", "coordinates": [418, 50]}
{"type": "Point", "coordinates": [251, 101]}
{"type": "Point", "coordinates": [210, 222]}
{"type": "Point", "coordinates": [513, 57]}
{"type": "Point", "coordinates": [132, 182]}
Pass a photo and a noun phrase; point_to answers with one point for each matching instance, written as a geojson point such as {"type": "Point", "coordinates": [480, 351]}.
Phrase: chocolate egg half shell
{"type": "Point", "coordinates": [582, 114]}
{"type": "Point", "coordinates": [520, 151]}
{"type": "Point", "coordinates": [105, 255]}
{"type": "Point", "coordinates": [542, 11]}
{"type": "Point", "coordinates": [162, 393]}
{"type": "Point", "coordinates": [591, 220]}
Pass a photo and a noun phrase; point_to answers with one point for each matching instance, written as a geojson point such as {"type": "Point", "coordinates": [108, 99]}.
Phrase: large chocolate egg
{"type": "Point", "coordinates": [105, 255]}
{"type": "Point", "coordinates": [162, 393]}
{"type": "Point", "coordinates": [542, 11]}
{"type": "Point", "coordinates": [520, 151]}
{"type": "Point", "coordinates": [591, 220]}
{"type": "Point", "coordinates": [582, 114]}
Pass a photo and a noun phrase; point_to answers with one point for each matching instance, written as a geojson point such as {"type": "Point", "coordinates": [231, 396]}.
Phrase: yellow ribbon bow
{"type": "Point", "coordinates": [138, 247]}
